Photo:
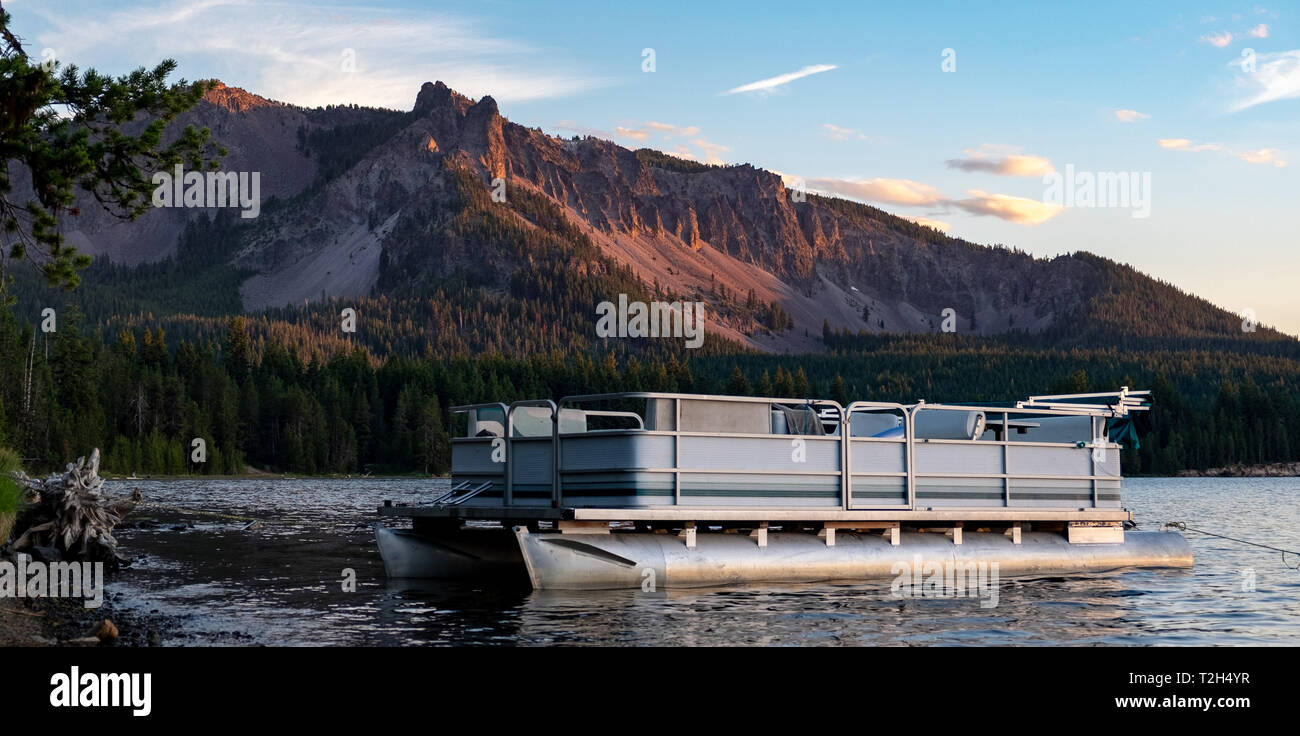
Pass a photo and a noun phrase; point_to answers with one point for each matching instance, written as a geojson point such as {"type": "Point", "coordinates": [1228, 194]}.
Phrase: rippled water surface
{"type": "Point", "coordinates": [280, 583]}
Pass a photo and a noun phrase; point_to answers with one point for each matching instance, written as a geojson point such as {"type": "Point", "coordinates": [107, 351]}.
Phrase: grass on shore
{"type": "Point", "coordinates": [10, 493]}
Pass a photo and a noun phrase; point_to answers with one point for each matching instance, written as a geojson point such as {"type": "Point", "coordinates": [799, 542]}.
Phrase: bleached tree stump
{"type": "Point", "coordinates": [70, 515]}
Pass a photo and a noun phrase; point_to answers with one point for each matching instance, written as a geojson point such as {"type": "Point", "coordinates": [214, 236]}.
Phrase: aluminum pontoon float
{"type": "Point", "coordinates": [609, 490]}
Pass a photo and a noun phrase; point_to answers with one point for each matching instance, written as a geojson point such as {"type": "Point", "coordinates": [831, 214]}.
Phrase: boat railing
{"type": "Point", "coordinates": [991, 466]}
{"type": "Point", "coordinates": [715, 443]}
{"type": "Point", "coordinates": [711, 450]}
{"type": "Point", "coordinates": [885, 478]}
{"type": "Point", "coordinates": [479, 456]}
{"type": "Point", "coordinates": [537, 448]}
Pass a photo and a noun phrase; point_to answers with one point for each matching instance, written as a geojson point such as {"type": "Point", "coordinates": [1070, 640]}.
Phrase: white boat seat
{"type": "Point", "coordinates": [482, 426]}
{"type": "Point", "coordinates": [869, 424]}
{"type": "Point", "coordinates": [939, 424]}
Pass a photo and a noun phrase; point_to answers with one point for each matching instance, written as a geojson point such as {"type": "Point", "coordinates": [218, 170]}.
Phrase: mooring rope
{"type": "Point", "coordinates": [1182, 527]}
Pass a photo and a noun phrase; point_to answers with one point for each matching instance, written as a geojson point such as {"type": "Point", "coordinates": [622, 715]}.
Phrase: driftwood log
{"type": "Point", "coordinates": [68, 517]}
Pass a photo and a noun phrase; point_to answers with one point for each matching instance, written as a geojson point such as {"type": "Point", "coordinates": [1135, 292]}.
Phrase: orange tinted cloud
{"type": "Point", "coordinates": [1019, 210]}
{"type": "Point", "coordinates": [892, 191]}
{"type": "Point", "coordinates": [1001, 160]}
{"type": "Point", "coordinates": [1218, 40]}
{"type": "Point", "coordinates": [1130, 116]}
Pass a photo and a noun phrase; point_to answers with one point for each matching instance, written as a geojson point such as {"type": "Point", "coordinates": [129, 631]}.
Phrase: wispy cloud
{"type": "Point", "coordinates": [673, 131]}
{"type": "Point", "coordinates": [1218, 40]}
{"type": "Point", "coordinates": [1130, 116]}
{"type": "Point", "coordinates": [705, 150]}
{"type": "Point", "coordinates": [712, 151]}
{"type": "Point", "coordinates": [1001, 160]}
{"type": "Point", "coordinates": [636, 135]}
{"type": "Point", "coordinates": [939, 225]}
{"type": "Point", "coordinates": [1269, 156]}
{"type": "Point", "coordinates": [667, 136]}
{"type": "Point", "coordinates": [889, 191]}
{"type": "Point", "coordinates": [908, 193]}
{"type": "Point", "coordinates": [1276, 77]}
{"type": "Point", "coordinates": [837, 133]}
{"type": "Point", "coordinates": [301, 52]}
{"type": "Point", "coordinates": [771, 83]}
{"type": "Point", "coordinates": [681, 151]}
{"type": "Point", "coordinates": [1183, 144]}
{"type": "Point", "coordinates": [1020, 210]}
{"type": "Point", "coordinates": [574, 127]}
{"type": "Point", "coordinates": [1223, 39]}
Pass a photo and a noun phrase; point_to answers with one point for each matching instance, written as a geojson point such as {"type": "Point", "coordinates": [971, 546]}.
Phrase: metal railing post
{"type": "Point", "coordinates": [909, 423]}
{"type": "Point", "coordinates": [846, 471]}
{"type": "Point", "coordinates": [1006, 459]}
{"type": "Point", "coordinates": [509, 496]}
{"type": "Point", "coordinates": [557, 493]}
{"type": "Point", "coordinates": [677, 452]}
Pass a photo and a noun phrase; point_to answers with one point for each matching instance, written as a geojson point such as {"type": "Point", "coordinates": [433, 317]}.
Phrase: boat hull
{"type": "Point", "coordinates": [461, 554]}
{"type": "Point", "coordinates": [635, 560]}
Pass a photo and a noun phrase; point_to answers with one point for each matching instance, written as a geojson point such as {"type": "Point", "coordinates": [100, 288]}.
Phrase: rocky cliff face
{"type": "Point", "coordinates": [693, 227]}
{"type": "Point", "coordinates": [370, 197]}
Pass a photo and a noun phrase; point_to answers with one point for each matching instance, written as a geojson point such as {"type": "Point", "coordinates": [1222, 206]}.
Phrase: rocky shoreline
{"type": "Point", "coordinates": [67, 519]}
{"type": "Point", "coordinates": [62, 622]}
{"type": "Point", "coordinates": [1267, 470]}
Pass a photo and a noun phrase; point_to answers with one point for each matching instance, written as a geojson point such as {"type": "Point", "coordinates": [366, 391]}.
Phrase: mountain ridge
{"type": "Point", "coordinates": [368, 202]}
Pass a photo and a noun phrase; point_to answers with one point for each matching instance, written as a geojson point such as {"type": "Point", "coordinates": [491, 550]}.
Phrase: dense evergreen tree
{"type": "Point", "coordinates": [253, 400]}
{"type": "Point", "coordinates": [65, 131]}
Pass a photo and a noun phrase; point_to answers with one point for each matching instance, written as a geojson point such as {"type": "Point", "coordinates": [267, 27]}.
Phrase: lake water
{"type": "Point", "coordinates": [280, 583]}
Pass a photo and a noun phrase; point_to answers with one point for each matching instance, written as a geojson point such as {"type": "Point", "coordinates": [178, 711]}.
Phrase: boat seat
{"type": "Point", "coordinates": [940, 424]}
{"type": "Point", "coordinates": [778, 422]}
{"type": "Point", "coordinates": [531, 421]}
{"type": "Point", "coordinates": [535, 421]}
{"type": "Point", "coordinates": [869, 424]}
{"type": "Point", "coordinates": [480, 425]}
{"type": "Point", "coordinates": [489, 428]}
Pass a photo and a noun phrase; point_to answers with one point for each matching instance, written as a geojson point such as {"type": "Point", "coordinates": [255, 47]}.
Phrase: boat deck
{"type": "Point", "coordinates": [701, 513]}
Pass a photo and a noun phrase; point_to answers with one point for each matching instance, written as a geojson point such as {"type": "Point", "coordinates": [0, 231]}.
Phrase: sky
{"type": "Point", "coordinates": [993, 122]}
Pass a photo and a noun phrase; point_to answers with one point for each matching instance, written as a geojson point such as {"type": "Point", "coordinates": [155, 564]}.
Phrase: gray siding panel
{"type": "Point", "coordinates": [957, 457]}
{"type": "Point", "coordinates": [1049, 460]}
{"type": "Point", "coordinates": [760, 453]}
{"type": "Point", "coordinates": [958, 492]}
{"type": "Point", "coordinates": [877, 457]}
{"type": "Point", "coordinates": [598, 452]}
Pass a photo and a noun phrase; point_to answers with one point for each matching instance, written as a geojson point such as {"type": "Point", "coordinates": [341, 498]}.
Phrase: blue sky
{"type": "Point", "coordinates": [1158, 89]}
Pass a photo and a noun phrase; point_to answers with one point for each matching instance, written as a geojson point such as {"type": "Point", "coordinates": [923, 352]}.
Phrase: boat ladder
{"type": "Point", "coordinates": [450, 498]}
{"type": "Point", "coordinates": [455, 489]}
